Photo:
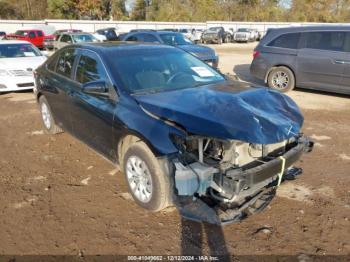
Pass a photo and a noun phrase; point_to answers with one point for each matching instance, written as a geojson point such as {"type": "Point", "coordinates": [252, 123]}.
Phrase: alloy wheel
{"type": "Point", "coordinates": [139, 179]}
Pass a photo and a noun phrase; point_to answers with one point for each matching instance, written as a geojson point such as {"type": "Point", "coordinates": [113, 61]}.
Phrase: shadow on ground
{"type": "Point", "coordinates": [194, 234]}
{"type": "Point", "coordinates": [243, 73]}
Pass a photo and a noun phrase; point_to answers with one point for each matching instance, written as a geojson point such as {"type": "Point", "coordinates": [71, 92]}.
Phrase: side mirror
{"type": "Point", "coordinates": [96, 88]}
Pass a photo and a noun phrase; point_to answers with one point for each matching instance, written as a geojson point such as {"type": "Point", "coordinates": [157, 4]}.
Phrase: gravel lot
{"type": "Point", "coordinates": [59, 198]}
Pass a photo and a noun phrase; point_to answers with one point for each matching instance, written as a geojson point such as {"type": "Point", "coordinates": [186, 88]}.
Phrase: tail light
{"type": "Point", "coordinates": [256, 54]}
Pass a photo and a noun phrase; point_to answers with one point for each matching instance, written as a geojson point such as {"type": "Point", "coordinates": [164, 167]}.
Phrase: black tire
{"type": "Point", "coordinates": [161, 185]}
{"type": "Point", "coordinates": [286, 78]}
{"type": "Point", "coordinates": [50, 125]}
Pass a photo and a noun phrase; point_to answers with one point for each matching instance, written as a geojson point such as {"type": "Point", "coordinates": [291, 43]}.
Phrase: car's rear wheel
{"type": "Point", "coordinates": [281, 78]}
{"type": "Point", "coordinates": [148, 181]}
{"type": "Point", "coordinates": [47, 117]}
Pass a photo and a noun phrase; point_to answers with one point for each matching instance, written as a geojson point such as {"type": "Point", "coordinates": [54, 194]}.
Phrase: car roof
{"type": "Point", "coordinates": [29, 30]}
{"type": "Point", "coordinates": [106, 47]}
{"type": "Point", "coordinates": [107, 28]}
{"type": "Point", "coordinates": [75, 33]}
{"type": "Point", "coordinates": [310, 28]}
{"type": "Point", "coordinates": [4, 42]}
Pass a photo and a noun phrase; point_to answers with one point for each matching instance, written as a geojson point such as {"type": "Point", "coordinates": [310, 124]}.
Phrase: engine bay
{"type": "Point", "coordinates": [229, 173]}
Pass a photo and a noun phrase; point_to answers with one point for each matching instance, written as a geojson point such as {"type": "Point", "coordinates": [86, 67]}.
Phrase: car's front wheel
{"type": "Point", "coordinates": [148, 181]}
{"type": "Point", "coordinates": [281, 78]}
{"type": "Point", "coordinates": [47, 117]}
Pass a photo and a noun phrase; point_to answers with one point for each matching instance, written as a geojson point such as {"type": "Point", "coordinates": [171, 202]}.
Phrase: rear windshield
{"type": "Point", "coordinates": [243, 30]}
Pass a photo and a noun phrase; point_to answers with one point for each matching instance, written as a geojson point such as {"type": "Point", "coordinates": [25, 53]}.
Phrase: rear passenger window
{"type": "Point", "coordinates": [132, 38]}
{"type": "Point", "coordinates": [90, 68]}
{"type": "Point", "coordinates": [286, 41]}
{"type": "Point", "coordinates": [150, 38]}
{"type": "Point", "coordinates": [332, 41]}
{"type": "Point", "coordinates": [65, 62]}
{"type": "Point", "coordinates": [40, 33]}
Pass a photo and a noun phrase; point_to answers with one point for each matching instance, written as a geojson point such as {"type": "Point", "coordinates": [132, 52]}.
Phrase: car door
{"type": "Point", "coordinates": [40, 38]}
{"type": "Point", "coordinates": [32, 38]}
{"type": "Point", "coordinates": [92, 114]}
{"type": "Point", "coordinates": [58, 86]}
{"type": "Point", "coordinates": [345, 83]}
{"type": "Point", "coordinates": [319, 61]}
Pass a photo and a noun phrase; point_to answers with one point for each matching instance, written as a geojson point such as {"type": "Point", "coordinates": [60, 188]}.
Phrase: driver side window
{"type": "Point", "coordinates": [90, 68]}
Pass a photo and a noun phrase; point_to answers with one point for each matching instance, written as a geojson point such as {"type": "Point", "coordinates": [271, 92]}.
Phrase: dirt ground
{"type": "Point", "coordinates": [59, 198]}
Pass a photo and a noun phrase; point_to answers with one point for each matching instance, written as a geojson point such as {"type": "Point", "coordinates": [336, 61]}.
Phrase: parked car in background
{"type": "Point", "coordinates": [214, 35]}
{"type": "Point", "coordinates": [18, 60]}
{"type": "Point", "coordinates": [196, 35]}
{"type": "Point", "coordinates": [2, 35]}
{"type": "Point", "coordinates": [314, 57]}
{"type": "Point", "coordinates": [181, 132]}
{"type": "Point", "coordinates": [34, 36]}
{"type": "Point", "coordinates": [169, 29]}
{"type": "Point", "coordinates": [49, 42]}
{"type": "Point", "coordinates": [99, 37]}
{"type": "Point", "coordinates": [204, 53]}
{"type": "Point", "coordinates": [245, 35]}
{"type": "Point", "coordinates": [186, 32]}
{"type": "Point", "coordinates": [255, 34]}
{"type": "Point", "coordinates": [110, 33]}
{"type": "Point", "coordinates": [73, 38]}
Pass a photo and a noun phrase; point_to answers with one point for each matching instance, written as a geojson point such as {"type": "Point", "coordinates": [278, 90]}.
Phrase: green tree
{"type": "Point", "coordinates": [63, 9]}
{"type": "Point", "coordinates": [139, 11]}
{"type": "Point", "coordinates": [118, 10]}
{"type": "Point", "coordinates": [8, 10]}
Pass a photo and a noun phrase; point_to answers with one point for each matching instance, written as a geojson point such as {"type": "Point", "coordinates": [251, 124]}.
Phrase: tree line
{"type": "Point", "coordinates": [180, 10]}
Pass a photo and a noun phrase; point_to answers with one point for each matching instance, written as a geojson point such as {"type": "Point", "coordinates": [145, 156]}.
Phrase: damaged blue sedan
{"type": "Point", "coordinates": [182, 133]}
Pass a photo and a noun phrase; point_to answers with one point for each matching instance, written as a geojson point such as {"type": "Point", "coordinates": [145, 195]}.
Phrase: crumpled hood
{"type": "Point", "coordinates": [22, 62]}
{"type": "Point", "coordinates": [228, 111]}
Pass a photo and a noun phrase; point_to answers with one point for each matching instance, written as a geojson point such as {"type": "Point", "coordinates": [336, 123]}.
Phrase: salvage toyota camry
{"type": "Point", "coordinates": [182, 133]}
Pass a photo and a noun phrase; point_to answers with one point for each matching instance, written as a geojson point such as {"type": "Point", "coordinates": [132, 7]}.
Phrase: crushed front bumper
{"type": "Point", "coordinates": [258, 189]}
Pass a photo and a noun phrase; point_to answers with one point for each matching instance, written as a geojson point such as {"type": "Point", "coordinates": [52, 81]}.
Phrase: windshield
{"type": "Point", "coordinates": [243, 30]}
{"type": "Point", "coordinates": [162, 70]}
{"type": "Point", "coordinates": [175, 39]}
{"type": "Point", "coordinates": [18, 50]}
{"type": "Point", "coordinates": [83, 38]}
